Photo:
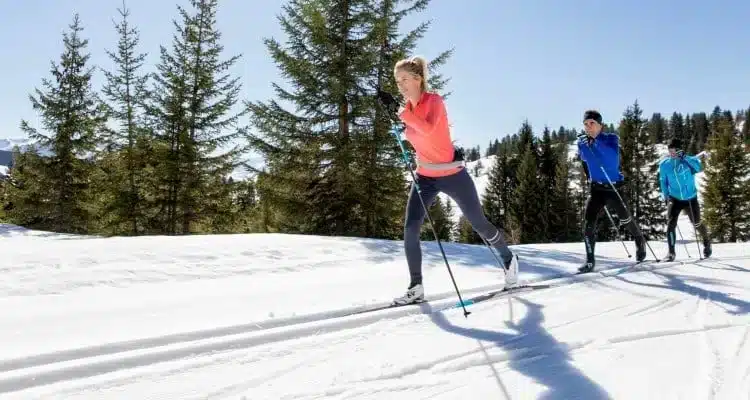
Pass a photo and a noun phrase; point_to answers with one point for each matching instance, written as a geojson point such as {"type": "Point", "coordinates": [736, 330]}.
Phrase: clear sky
{"type": "Point", "coordinates": [542, 60]}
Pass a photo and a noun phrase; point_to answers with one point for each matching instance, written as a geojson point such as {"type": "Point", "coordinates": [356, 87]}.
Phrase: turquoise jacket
{"type": "Point", "coordinates": [676, 177]}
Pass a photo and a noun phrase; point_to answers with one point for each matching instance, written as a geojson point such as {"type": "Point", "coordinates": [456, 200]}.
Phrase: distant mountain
{"type": "Point", "coordinates": [5, 158]}
{"type": "Point", "coordinates": [6, 149]}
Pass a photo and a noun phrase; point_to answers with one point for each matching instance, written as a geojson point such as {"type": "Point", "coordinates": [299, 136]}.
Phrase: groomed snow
{"type": "Point", "coordinates": [261, 317]}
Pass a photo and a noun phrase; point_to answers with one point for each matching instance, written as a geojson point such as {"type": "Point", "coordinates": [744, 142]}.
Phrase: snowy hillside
{"type": "Point", "coordinates": [265, 317]}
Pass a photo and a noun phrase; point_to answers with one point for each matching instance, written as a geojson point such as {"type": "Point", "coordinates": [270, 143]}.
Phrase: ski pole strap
{"type": "Point", "coordinates": [440, 166]}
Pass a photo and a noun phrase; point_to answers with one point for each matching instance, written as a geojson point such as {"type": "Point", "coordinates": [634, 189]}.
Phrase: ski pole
{"type": "Point", "coordinates": [612, 220]}
{"type": "Point", "coordinates": [606, 175]}
{"type": "Point", "coordinates": [405, 157]}
{"type": "Point", "coordinates": [683, 242]}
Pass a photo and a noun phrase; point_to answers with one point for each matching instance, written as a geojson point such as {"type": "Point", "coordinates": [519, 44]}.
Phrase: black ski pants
{"type": "Point", "coordinates": [693, 210]}
{"type": "Point", "coordinates": [601, 196]}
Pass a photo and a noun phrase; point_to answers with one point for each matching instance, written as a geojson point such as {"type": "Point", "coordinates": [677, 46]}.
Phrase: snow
{"type": "Point", "coordinates": [263, 316]}
{"type": "Point", "coordinates": [3, 170]}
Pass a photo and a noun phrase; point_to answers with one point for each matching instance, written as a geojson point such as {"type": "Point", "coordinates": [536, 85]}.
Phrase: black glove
{"type": "Point", "coordinates": [681, 153]}
{"type": "Point", "coordinates": [388, 101]}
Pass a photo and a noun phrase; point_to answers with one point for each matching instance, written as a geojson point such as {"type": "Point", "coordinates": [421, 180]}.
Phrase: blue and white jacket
{"type": "Point", "coordinates": [676, 177]}
{"type": "Point", "coordinates": [604, 151]}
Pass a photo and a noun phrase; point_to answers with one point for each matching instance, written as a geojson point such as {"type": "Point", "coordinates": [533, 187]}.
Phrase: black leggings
{"type": "Point", "coordinates": [600, 197]}
{"type": "Point", "coordinates": [693, 210]}
{"type": "Point", "coordinates": [461, 189]}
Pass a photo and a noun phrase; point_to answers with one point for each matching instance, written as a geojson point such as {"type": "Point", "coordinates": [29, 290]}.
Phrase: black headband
{"type": "Point", "coordinates": [591, 114]}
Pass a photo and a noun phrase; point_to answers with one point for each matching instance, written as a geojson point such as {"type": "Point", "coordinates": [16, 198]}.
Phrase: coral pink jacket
{"type": "Point", "coordinates": [428, 132]}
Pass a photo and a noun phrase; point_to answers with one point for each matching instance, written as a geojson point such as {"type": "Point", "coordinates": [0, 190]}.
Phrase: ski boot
{"type": "Point", "coordinates": [414, 294]}
{"type": "Point", "coordinates": [587, 267]}
{"type": "Point", "coordinates": [670, 256]}
{"type": "Point", "coordinates": [707, 249]}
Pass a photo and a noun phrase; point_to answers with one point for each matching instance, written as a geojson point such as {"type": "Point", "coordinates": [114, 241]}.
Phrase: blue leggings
{"type": "Point", "coordinates": [461, 189]}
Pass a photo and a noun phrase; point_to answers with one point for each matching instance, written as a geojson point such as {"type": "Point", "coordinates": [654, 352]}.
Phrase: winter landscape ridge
{"type": "Point", "coordinates": [264, 316]}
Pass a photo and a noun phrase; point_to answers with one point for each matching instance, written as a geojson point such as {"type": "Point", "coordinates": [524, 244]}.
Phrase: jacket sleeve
{"type": "Point", "coordinates": [663, 184]}
{"type": "Point", "coordinates": [694, 163]}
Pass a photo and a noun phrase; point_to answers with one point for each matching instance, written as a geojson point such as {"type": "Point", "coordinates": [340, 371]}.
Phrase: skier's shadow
{"type": "Point", "coordinates": [674, 282]}
{"type": "Point", "coordinates": [534, 352]}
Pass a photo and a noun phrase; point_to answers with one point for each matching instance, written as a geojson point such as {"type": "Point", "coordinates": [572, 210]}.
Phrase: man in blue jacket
{"type": "Point", "coordinates": [678, 190]}
{"type": "Point", "coordinates": [600, 153]}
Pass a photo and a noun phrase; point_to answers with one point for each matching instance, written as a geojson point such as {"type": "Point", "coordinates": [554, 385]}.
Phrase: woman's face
{"type": "Point", "coordinates": [408, 84]}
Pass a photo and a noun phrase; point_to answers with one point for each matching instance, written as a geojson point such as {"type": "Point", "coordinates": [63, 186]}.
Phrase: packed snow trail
{"type": "Point", "coordinates": [184, 318]}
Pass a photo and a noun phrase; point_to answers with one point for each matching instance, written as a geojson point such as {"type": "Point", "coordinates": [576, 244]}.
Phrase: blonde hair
{"type": "Point", "coordinates": [416, 66]}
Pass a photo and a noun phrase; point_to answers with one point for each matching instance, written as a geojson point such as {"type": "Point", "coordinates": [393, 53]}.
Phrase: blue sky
{"type": "Point", "coordinates": [545, 61]}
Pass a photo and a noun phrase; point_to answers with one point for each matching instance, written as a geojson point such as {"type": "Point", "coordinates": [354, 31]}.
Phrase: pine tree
{"type": "Point", "coordinates": [564, 221]}
{"type": "Point", "coordinates": [640, 169]}
{"type": "Point", "coordinates": [651, 216]}
{"type": "Point", "coordinates": [124, 160]}
{"type": "Point", "coordinates": [677, 127]}
{"type": "Point", "coordinates": [191, 102]}
{"type": "Point", "coordinates": [310, 154]}
{"type": "Point", "coordinates": [548, 160]}
{"type": "Point", "coordinates": [466, 233]}
{"type": "Point", "coordinates": [335, 166]}
{"type": "Point", "coordinates": [526, 210]}
{"type": "Point", "coordinates": [657, 127]}
{"type": "Point", "coordinates": [442, 216]}
{"type": "Point", "coordinates": [701, 132]}
{"type": "Point", "coordinates": [57, 196]}
{"type": "Point", "coordinates": [726, 196]}
{"type": "Point", "coordinates": [498, 192]}
{"type": "Point", "coordinates": [379, 171]}
{"type": "Point", "coordinates": [745, 131]}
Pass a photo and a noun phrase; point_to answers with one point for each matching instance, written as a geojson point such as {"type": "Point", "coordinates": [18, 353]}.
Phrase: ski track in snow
{"type": "Point", "coordinates": [659, 325]}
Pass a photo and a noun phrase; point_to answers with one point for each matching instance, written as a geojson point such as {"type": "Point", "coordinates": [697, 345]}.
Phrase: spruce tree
{"type": "Point", "coordinates": [564, 221]}
{"type": "Point", "coordinates": [196, 129]}
{"type": "Point", "coordinates": [526, 210]}
{"type": "Point", "coordinates": [498, 192]}
{"type": "Point", "coordinates": [651, 217]}
{"type": "Point", "coordinates": [701, 132]}
{"type": "Point", "coordinates": [309, 153]}
{"type": "Point", "coordinates": [378, 169]}
{"type": "Point", "coordinates": [334, 166]}
{"type": "Point", "coordinates": [677, 127]}
{"type": "Point", "coordinates": [657, 127]}
{"type": "Point", "coordinates": [442, 216]}
{"type": "Point", "coordinates": [745, 130]}
{"type": "Point", "coordinates": [466, 233]}
{"type": "Point", "coordinates": [548, 160]}
{"type": "Point", "coordinates": [726, 196]}
{"type": "Point", "coordinates": [56, 194]}
{"type": "Point", "coordinates": [125, 154]}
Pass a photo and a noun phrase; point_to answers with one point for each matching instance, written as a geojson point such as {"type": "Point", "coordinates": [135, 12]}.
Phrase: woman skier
{"type": "Point", "coordinates": [427, 129]}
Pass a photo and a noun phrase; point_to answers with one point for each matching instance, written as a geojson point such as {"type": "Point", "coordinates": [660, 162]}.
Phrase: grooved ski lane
{"type": "Point", "coordinates": [636, 333]}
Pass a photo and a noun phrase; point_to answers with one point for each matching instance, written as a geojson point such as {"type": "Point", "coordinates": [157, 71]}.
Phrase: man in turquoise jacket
{"type": "Point", "coordinates": [677, 182]}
